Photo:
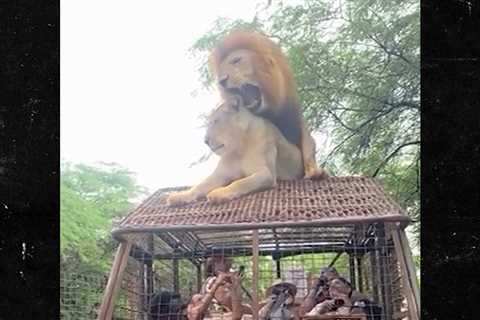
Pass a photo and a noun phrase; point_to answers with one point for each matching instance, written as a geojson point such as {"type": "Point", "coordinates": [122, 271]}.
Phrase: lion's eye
{"type": "Point", "coordinates": [236, 60]}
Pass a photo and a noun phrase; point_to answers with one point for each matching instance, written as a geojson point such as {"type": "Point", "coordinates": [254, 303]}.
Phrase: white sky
{"type": "Point", "coordinates": [126, 83]}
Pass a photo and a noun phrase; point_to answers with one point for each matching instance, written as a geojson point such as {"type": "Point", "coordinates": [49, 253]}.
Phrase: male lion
{"type": "Point", "coordinates": [252, 66]}
{"type": "Point", "coordinates": [253, 154]}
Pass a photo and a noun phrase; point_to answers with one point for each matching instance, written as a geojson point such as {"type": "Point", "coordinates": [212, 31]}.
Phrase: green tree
{"type": "Point", "coordinates": [91, 197]}
{"type": "Point", "coordinates": [357, 66]}
{"type": "Point", "coordinates": [82, 226]}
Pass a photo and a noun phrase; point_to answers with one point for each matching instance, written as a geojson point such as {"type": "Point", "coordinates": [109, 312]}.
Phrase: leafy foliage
{"type": "Point", "coordinates": [357, 67]}
{"type": "Point", "coordinates": [82, 224]}
{"type": "Point", "coordinates": [91, 197]}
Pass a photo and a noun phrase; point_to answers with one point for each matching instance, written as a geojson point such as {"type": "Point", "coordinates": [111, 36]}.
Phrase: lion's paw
{"type": "Point", "coordinates": [219, 195]}
{"type": "Point", "coordinates": [180, 198]}
{"type": "Point", "coordinates": [316, 174]}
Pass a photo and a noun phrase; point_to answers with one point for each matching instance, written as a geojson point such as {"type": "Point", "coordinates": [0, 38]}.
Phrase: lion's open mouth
{"type": "Point", "coordinates": [251, 95]}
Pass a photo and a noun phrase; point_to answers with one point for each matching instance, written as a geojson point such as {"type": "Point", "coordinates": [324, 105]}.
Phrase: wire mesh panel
{"type": "Point", "coordinates": [152, 289]}
{"type": "Point", "coordinates": [335, 199]}
{"type": "Point", "coordinates": [80, 295]}
{"type": "Point", "coordinates": [330, 271]}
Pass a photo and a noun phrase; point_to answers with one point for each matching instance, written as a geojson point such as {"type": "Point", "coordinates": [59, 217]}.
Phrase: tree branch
{"type": "Point", "coordinates": [357, 130]}
{"type": "Point", "coordinates": [334, 115]}
{"type": "Point", "coordinates": [387, 50]}
{"type": "Point", "coordinates": [408, 104]}
{"type": "Point", "coordinates": [391, 155]}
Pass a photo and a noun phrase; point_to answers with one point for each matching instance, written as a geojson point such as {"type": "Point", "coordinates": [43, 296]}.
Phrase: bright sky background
{"type": "Point", "coordinates": [126, 84]}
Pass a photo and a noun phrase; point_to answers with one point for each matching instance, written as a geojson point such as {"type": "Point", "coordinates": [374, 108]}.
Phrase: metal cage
{"type": "Point", "coordinates": [285, 234]}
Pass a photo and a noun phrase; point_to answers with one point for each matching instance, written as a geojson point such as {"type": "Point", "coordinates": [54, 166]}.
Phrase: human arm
{"type": "Point", "coordinates": [236, 294]}
{"type": "Point", "coordinates": [313, 297]}
{"type": "Point", "coordinates": [199, 304]}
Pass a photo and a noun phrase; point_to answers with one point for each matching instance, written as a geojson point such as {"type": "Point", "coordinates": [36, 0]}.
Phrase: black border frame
{"type": "Point", "coordinates": [29, 167]}
{"type": "Point", "coordinates": [29, 150]}
{"type": "Point", "coordinates": [450, 230]}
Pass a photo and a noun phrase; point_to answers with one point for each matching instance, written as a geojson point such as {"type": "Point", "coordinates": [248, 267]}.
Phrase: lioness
{"type": "Point", "coordinates": [253, 154]}
{"type": "Point", "coordinates": [253, 66]}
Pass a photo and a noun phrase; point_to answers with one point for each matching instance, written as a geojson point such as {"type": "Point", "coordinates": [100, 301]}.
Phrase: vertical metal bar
{"type": "Point", "coordinates": [360, 273]}
{"type": "Point", "coordinates": [279, 270]}
{"type": "Point", "coordinates": [142, 289]}
{"type": "Point", "coordinates": [255, 273]}
{"type": "Point", "coordinates": [149, 285]}
{"type": "Point", "coordinates": [351, 262]}
{"type": "Point", "coordinates": [114, 281]}
{"type": "Point", "coordinates": [355, 238]}
{"type": "Point", "coordinates": [410, 266]}
{"type": "Point", "coordinates": [407, 277]}
{"type": "Point", "coordinates": [199, 277]}
{"type": "Point", "coordinates": [175, 275]}
{"type": "Point", "coordinates": [385, 283]}
{"type": "Point", "coordinates": [374, 271]}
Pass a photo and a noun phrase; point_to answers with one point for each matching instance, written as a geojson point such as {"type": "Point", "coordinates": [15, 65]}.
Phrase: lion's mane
{"type": "Point", "coordinates": [274, 75]}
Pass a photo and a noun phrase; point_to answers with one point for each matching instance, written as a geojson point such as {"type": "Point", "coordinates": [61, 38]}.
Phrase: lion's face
{"type": "Point", "coordinates": [239, 76]}
{"type": "Point", "coordinates": [225, 127]}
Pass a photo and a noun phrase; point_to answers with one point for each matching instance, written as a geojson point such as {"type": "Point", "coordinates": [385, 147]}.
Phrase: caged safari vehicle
{"type": "Point", "coordinates": [283, 236]}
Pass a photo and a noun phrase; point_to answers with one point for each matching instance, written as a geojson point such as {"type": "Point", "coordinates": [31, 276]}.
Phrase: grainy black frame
{"type": "Point", "coordinates": [29, 159]}
{"type": "Point", "coordinates": [450, 158]}
{"type": "Point", "coordinates": [450, 53]}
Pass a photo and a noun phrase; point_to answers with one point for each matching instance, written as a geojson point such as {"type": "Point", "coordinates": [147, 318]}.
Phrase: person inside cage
{"type": "Point", "coordinates": [338, 300]}
{"type": "Point", "coordinates": [280, 302]}
{"type": "Point", "coordinates": [333, 293]}
{"type": "Point", "coordinates": [221, 291]}
{"type": "Point", "coordinates": [214, 266]}
{"type": "Point", "coordinates": [223, 297]}
{"type": "Point", "coordinates": [199, 304]}
{"type": "Point", "coordinates": [319, 291]}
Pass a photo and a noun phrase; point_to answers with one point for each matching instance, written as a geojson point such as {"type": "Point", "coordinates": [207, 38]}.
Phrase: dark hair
{"type": "Point", "coordinates": [328, 269]}
{"type": "Point", "coordinates": [210, 264]}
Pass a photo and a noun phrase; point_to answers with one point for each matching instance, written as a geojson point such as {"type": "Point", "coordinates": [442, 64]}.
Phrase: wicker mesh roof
{"type": "Point", "coordinates": [336, 200]}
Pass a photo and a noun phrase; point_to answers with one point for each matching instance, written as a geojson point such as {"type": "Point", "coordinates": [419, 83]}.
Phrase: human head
{"type": "Point", "coordinates": [340, 287]}
{"type": "Point", "coordinates": [218, 263]}
{"type": "Point", "coordinates": [329, 273]}
{"type": "Point", "coordinates": [281, 286]}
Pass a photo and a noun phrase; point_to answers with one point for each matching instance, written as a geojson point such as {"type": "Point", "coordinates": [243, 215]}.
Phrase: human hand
{"type": "Point", "coordinates": [222, 276]}
{"type": "Point", "coordinates": [326, 306]}
{"type": "Point", "coordinates": [236, 278]}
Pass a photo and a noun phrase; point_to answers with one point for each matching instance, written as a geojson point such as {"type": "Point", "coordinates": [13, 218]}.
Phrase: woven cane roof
{"type": "Point", "coordinates": [333, 201]}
